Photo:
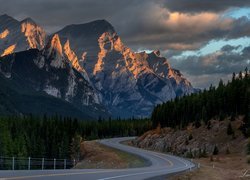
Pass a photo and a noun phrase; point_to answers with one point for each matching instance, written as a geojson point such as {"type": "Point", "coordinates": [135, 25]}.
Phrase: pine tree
{"type": "Point", "coordinates": [240, 75]}
{"type": "Point", "coordinates": [246, 73]}
{"type": "Point", "coordinates": [233, 77]}
{"type": "Point", "coordinates": [230, 130]}
{"type": "Point", "coordinates": [76, 154]}
{"type": "Point", "coordinates": [216, 150]}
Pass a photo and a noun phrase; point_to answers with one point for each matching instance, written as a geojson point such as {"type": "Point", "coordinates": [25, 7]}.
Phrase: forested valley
{"type": "Point", "coordinates": [59, 137]}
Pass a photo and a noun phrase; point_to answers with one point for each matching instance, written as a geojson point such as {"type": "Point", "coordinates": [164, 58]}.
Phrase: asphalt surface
{"type": "Point", "coordinates": [159, 165]}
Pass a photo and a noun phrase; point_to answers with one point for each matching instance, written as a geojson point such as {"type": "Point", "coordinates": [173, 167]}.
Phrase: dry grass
{"type": "Point", "coordinates": [103, 157]}
{"type": "Point", "coordinates": [223, 167]}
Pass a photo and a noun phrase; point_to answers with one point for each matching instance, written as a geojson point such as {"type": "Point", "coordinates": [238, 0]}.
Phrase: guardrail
{"type": "Point", "coordinates": [20, 163]}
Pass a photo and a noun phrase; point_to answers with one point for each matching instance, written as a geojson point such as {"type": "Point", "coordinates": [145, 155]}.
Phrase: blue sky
{"type": "Point", "coordinates": [215, 45]}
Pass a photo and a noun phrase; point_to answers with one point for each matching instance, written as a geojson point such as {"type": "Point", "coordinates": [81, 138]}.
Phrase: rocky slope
{"type": "Point", "coordinates": [195, 142]}
{"type": "Point", "coordinates": [20, 35]}
{"type": "Point", "coordinates": [50, 71]}
{"type": "Point", "coordinates": [130, 83]}
{"type": "Point", "coordinates": [18, 98]}
{"type": "Point", "coordinates": [127, 83]}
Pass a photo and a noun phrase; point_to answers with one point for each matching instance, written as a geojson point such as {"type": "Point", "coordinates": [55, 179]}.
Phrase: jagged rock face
{"type": "Point", "coordinates": [18, 36]}
{"type": "Point", "coordinates": [130, 83]}
{"type": "Point", "coordinates": [74, 60]}
{"type": "Point", "coordinates": [126, 82]}
{"type": "Point", "coordinates": [50, 71]}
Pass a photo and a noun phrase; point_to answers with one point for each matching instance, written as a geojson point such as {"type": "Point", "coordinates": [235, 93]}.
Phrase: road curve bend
{"type": "Point", "coordinates": [160, 165]}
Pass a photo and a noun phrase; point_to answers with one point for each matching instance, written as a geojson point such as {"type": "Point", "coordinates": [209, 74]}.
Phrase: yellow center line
{"type": "Point", "coordinates": [170, 162]}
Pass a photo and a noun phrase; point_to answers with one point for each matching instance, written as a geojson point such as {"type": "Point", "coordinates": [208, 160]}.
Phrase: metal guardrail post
{"type": "Point", "coordinates": [29, 164]}
{"type": "Point", "coordinates": [65, 165]}
{"type": "Point", "coordinates": [18, 163]}
{"type": "Point", "coordinates": [54, 164]}
{"type": "Point", "coordinates": [42, 163]}
{"type": "Point", "coordinates": [13, 163]}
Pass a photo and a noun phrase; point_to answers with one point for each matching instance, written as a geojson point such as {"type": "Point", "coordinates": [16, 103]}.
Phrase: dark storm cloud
{"type": "Point", "coordinates": [229, 48]}
{"type": "Point", "coordinates": [142, 24]}
{"type": "Point", "coordinates": [227, 60]}
{"type": "Point", "coordinates": [207, 69]}
{"type": "Point", "coordinates": [197, 6]}
{"type": "Point", "coordinates": [59, 13]}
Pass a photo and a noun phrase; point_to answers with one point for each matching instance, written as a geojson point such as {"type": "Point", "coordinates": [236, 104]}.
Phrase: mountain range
{"type": "Point", "coordinates": [83, 67]}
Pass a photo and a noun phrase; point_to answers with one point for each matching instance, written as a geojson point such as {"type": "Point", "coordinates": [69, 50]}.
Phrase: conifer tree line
{"type": "Point", "coordinates": [58, 137]}
{"type": "Point", "coordinates": [226, 100]}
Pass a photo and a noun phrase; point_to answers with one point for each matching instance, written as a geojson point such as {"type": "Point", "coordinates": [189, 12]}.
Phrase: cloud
{"type": "Point", "coordinates": [197, 6]}
{"type": "Point", "coordinates": [203, 70]}
{"type": "Point", "coordinates": [224, 61]}
{"type": "Point", "coordinates": [142, 24]}
{"type": "Point", "coordinates": [205, 80]}
{"type": "Point", "coordinates": [229, 48]}
{"type": "Point", "coordinates": [180, 31]}
{"type": "Point", "coordinates": [59, 13]}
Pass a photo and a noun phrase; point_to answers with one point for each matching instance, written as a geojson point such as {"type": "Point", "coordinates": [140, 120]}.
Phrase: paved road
{"type": "Point", "coordinates": [160, 164]}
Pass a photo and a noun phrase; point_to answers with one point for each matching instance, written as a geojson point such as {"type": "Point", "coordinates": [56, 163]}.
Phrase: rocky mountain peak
{"type": "Point", "coordinates": [54, 44]}
{"type": "Point", "coordinates": [100, 26]}
{"type": "Point", "coordinates": [128, 83]}
{"type": "Point", "coordinates": [18, 36]}
{"type": "Point", "coordinates": [94, 28]}
{"type": "Point", "coordinates": [28, 20]}
{"type": "Point", "coordinates": [70, 54]}
{"type": "Point", "coordinates": [6, 17]}
{"type": "Point", "coordinates": [35, 34]}
{"type": "Point", "coordinates": [54, 52]}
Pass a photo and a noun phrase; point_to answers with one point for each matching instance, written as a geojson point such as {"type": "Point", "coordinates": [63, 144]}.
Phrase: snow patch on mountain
{"type": "Point", "coordinates": [52, 91]}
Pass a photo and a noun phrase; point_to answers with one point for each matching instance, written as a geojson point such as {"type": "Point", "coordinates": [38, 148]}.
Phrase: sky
{"type": "Point", "coordinates": [207, 40]}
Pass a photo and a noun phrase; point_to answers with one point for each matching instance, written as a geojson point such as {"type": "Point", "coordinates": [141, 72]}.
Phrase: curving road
{"type": "Point", "coordinates": [160, 165]}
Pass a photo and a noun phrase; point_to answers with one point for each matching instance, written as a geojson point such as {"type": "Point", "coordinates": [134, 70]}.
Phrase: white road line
{"type": "Point", "coordinates": [141, 173]}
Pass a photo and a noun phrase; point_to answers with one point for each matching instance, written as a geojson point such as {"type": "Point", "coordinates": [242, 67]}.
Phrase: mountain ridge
{"type": "Point", "coordinates": [22, 35]}
{"type": "Point", "coordinates": [126, 82]}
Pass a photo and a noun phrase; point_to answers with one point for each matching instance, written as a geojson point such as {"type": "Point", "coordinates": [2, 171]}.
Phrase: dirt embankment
{"type": "Point", "coordinates": [195, 142]}
{"type": "Point", "coordinates": [103, 157]}
{"type": "Point", "coordinates": [220, 151]}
